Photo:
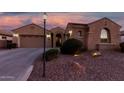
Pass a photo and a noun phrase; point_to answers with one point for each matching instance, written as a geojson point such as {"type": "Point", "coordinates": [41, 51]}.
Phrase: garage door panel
{"type": "Point", "coordinates": [31, 41]}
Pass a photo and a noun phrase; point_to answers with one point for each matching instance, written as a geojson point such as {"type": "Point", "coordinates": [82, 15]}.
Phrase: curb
{"type": "Point", "coordinates": [26, 74]}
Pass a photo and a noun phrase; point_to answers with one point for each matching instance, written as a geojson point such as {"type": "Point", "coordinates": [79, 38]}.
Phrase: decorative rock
{"type": "Point", "coordinates": [76, 67]}
{"type": "Point", "coordinates": [96, 54]}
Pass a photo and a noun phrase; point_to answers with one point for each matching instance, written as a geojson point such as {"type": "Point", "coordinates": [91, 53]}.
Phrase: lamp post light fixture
{"type": "Point", "coordinates": [44, 59]}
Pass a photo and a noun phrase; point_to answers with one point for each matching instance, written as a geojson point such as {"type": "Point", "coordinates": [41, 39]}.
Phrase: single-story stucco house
{"type": "Point", "coordinates": [101, 34]}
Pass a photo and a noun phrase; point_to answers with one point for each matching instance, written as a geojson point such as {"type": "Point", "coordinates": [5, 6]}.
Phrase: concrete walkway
{"type": "Point", "coordinates": [15, 63]}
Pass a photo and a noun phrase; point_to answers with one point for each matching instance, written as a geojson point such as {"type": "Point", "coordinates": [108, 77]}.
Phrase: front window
{"type": "Point", "coordinates": [105, 36]}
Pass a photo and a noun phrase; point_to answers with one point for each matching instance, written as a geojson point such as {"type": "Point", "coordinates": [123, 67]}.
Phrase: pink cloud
{"type": "Point", "coordinates": [12, 21]}
{"type": "Point", "coordinates": [63, 19]}
{"type": "Point", "coordinates": [54, 19]}
{"type": "Point", "coordinates": [36, 20]}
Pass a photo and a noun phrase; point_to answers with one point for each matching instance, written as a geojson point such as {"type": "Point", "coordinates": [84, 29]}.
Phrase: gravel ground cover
{"type": "Point", "coordinates": [85, 67]}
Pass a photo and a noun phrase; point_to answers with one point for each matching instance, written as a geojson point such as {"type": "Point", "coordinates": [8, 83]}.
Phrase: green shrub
{"type": "Point", "coordinates": [51, 54]}
{"type": "Point", "coordinates": [122, 46]}
{"type": "Point", "coordinates": [71, 46]}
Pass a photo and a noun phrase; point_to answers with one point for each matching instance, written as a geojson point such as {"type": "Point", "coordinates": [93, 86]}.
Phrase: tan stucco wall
{"type": "Point", "coordinates": [95, 31]}
{"type": "Point", "coordinates": [15, 40]}
{"type": "Point", "coordinates": [75, 34]}
{"type": "Point", "coordinates": [48, 42]}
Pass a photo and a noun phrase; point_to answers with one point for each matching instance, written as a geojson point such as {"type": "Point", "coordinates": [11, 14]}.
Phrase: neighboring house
{"type": "Point", "coordinates": [122, 36]}
{"type": "Point", "coordinates": [121, 33]}
{"type": "Point", "coordinates": [29, 36]}
{"type": "Point", "coordinates": [6, 35]}
{"type": "Point", "coordinates": [100, 34]}
{"type": "Point", "coordinates": [5, 38]}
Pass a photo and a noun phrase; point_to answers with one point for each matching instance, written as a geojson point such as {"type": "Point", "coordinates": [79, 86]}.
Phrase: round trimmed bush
{"type": "Point", "coordinates": [51, 54]}
{"type": "Point", "coordinates": [122, 46]}
{"type": "Point", "coordinates": [71, 46]}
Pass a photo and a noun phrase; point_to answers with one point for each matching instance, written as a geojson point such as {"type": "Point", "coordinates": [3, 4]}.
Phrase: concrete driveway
{"type": "Point", "coordinates": [15, 63]}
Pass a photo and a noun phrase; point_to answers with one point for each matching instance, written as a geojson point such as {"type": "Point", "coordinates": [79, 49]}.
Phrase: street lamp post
{"type": "Point", "coordinates": [44, 60]}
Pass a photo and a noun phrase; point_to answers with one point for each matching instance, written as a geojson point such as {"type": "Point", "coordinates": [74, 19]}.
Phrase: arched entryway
{"type": "Point", "coordinates": [105, 36]}
{"type": "Point", "coordinates": [58, 40]}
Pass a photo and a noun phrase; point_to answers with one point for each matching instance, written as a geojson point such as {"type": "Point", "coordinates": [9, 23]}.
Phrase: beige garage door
{"type": "Point", "coordinates": [31, 41]}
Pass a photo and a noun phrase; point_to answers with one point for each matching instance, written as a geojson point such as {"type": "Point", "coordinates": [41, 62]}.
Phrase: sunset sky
{"type": "Point", "coordinates": [12, 20]}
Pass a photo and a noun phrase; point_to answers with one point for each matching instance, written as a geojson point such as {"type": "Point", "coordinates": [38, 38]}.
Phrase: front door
{"type": "Point", "coordinates": [58, 40]}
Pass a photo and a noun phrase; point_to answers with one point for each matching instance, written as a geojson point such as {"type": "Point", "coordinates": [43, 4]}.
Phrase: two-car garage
{"type": "Point", "coordinates": [29, 36]}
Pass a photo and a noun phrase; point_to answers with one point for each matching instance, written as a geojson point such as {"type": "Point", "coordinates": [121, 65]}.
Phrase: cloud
{"type": "Point", "coordinates": [61, 19]}
{"type": "Point", "coordinates": [12, 21]}
{"type": "Point", "coordinates": [16, 19]}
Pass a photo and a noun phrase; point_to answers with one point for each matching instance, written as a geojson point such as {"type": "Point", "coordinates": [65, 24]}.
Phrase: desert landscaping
{"type": "Point", "coordinates": [108, 66]}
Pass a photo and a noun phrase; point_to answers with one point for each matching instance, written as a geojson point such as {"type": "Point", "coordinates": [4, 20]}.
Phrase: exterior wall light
{"type": "Point", "coordinates": [48, 36]}
{"type": "Point", "coordinates": [16, 35]}
{"type": "Point", "coordinates": [70, 32]}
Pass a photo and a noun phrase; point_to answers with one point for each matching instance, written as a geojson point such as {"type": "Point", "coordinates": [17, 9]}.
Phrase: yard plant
{"type": "Point", "coordinates": [71, 46]}
{"type": "Point", "coordinates": [51, 54]}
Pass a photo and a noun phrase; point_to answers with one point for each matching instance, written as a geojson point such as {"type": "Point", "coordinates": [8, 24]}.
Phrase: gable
{"type": "Point", "coordinates": [104, 21]}
{"type": "Point", "coordinates": [57, 30]}
{"type": "Point", "coordinates": [31, 29]}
